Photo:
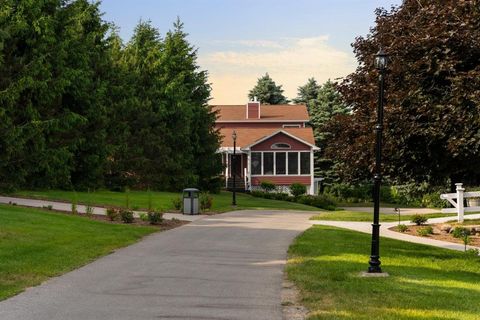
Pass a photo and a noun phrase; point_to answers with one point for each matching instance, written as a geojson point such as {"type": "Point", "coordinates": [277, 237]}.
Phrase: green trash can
{"type": "Point", "coordinates": [190, 201]}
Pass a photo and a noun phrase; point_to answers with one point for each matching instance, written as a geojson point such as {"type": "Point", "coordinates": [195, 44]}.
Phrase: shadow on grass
{"type": "Point", "coordinates": [425, 282]}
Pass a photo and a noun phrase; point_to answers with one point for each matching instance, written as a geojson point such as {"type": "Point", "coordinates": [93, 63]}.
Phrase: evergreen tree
{"type": "Point", "coordinates": [307, 92]}
{"type": "Point", "coordinates": [327, 104]}
{"type": "Point", "coordinates": [267, 91]}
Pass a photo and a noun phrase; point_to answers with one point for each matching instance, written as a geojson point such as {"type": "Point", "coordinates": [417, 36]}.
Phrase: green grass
{"type": "Point", "coordinates": [161, 200]}
{"type": "Point", "coordinates": [424, 283]}
{"type": "Point", "coordinates": [367, 216]}
{"type": "Point", "coordinates": [37, 244]}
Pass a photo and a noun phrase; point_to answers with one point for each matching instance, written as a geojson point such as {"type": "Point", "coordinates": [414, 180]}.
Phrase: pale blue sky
{"type": "Point", "coordinates": [239, 40]}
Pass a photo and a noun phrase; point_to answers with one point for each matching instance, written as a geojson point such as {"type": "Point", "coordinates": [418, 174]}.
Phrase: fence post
{"type": "Point", "coordinates": [460, 208]}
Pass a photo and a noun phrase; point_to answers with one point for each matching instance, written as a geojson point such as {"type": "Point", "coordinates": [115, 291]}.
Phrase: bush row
{"type": "Point", "coordinates": [321, 201]}
{"type": "Point", "coordinates": [411, 194]}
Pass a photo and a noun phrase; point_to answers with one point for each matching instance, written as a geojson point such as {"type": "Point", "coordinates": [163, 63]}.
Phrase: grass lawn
{"type": "Point", "coordinates": [368, 216]}
{"type": "Point", "coordinates": [425, 282]}
{"type": "Point", "coordinates": [161, 200]}
{"type": "Point", "coordinates": [36, 245]}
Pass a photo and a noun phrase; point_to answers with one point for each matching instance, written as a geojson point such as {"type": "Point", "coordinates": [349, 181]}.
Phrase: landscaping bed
{"type": "Point", "coordinates": [445, 231]}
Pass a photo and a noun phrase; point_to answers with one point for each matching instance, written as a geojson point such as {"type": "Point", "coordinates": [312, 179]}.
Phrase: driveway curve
{"type": "Point", "coordinates": [222, 267]}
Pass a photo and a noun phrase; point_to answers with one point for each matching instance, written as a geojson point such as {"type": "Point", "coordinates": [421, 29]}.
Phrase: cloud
{"type": "Point", "coordinates": [289, 61]}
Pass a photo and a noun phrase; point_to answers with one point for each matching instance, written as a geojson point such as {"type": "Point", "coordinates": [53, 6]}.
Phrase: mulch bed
{"type": "Point", "coordinates": [438, 234]}
{"type": "Point", "coordinates": [165, 225]}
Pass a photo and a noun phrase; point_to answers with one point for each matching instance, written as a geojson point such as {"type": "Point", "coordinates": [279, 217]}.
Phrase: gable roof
{"type": "Point", "coordinates": [268, 113]}
{"type": "Point", "coordinates": [247, 137]}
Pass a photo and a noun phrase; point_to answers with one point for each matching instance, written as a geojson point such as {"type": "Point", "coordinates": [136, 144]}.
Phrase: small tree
{"type": "Point", "coordinates": [267, 186]}
{"type": "Point", "coordinates": [267, 91]}
{"type": "Point", "coordinates": [298, 189]}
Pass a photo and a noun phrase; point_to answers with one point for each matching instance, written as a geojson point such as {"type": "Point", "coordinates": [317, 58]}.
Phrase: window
{"type": "Point", "coordinates": [268, 163]}
{"type": "Point", "coordinates": [280, 164]}
{"type": "Point", "coordinates": [281, 146]}
{"type": "Point", "coordinates": [293, 163]}
{"type": "Point", "coordinates": [256, 163]}
{"type": "Point", "coordinates": [292, 126]}
{"type": "Point", "coordinates": [304, 162]}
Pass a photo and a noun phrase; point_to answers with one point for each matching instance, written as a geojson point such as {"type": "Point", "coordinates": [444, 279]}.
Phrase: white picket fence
{"type": "Point", "coordinates": [460, 195]}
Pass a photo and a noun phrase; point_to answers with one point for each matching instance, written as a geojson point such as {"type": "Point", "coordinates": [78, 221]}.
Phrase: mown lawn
{"type": "Point", "coordinates": [37, 244]}
{"type": "Point", "coordinates": [424, 283]}
{"type": "Point", "coordinates": [161, 200]}
{"type": "Point", "coordinates": [342, 215]}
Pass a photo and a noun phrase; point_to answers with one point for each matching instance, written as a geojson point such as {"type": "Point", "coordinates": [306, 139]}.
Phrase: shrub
{"type": "Point", "coordinates": [281, 196]}
{"type": "Point", "coordinates": [267, 186]}
{"type": "Point", "coordinates": [206, 201]}
{"type": "Point", "coordinates": [257, 193]}
{"type": "Point", "coordinates": [155, 217]}
{"type": "Point", "coordinates": [126, 215]}
{"type": "Point", "coordinates": [419, 219]}
{"type": "Point", "coordinates": [177, 203]}
{"type": "Point", "coordinates": [74, 208]}
{"type": "Point", "coordinates": [320, 201]}
{"type": "Point", "coordinates": [49, 207]}
{"type": "Point", "coordinates": [460, 232]}
{"type": "Point", "coordinates": [89, 210]}
{"type": "Point", "coordinates": [425, 231]}
{"type": "Point", "coordinates": [432, 200]}
{"type": "Point", "coordinates": [298, 189]}
{"type": "Point", "coordinates": [143, 216]}
{"type": "Point", "coordinates": [473, 252]}
{"type": "Point", "coordinates": [112, 214]}
{"type": "Point", "coordinates": [402, 228]}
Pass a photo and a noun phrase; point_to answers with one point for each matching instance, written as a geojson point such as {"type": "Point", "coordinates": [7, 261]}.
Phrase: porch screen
{"type": "Point", "coordinates": [256, 163]}
{"type": "Point", "coordinates": [304, 162]}
{"type": "Point", "coordinates": [280, 165]}
{"type": "Point", "coordinates": [293, 163]}
{"type": "Point", "coordinates": [268, 163]}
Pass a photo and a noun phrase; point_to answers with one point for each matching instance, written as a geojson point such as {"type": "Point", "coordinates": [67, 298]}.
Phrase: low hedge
{"type": "Point", "coordinates": [319, 201]}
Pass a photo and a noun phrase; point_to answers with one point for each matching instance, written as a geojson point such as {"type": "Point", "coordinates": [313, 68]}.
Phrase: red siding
{"type": "Point", "coordinates": [280, 138]}
{"type": "Point", "coordinates": [282, 180]}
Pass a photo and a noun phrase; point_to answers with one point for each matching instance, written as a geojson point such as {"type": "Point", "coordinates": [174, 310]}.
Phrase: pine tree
{"type": "Point", "coordinates": [307, 92]}
{"type": "Point", "coordinates": [327, 104]}
{"type": "Point", "coordinates": [267, 91]}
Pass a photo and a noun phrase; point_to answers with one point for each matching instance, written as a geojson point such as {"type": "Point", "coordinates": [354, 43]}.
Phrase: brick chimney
{"type": "Point", "coordinates": [253, 109]}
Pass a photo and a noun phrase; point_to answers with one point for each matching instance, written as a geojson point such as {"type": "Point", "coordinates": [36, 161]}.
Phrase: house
{"type": "Point", "coordinates": [273, 143]}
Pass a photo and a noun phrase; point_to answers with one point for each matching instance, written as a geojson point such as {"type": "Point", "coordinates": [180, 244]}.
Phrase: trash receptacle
{"type": "Point", "coordinates": [190, 201]}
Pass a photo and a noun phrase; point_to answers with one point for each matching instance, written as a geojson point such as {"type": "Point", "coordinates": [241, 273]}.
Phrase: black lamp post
{"type": "Point", "coordinates": [234, 167]}
{"type": "Point", "coordinates": [381, 66]}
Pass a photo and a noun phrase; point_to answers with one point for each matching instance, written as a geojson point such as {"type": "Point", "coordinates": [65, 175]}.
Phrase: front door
{"type": "Point", "coordinates": [236, 164]}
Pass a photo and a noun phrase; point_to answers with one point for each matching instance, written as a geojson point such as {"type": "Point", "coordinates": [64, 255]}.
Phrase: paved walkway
{"type": "Point", "coordinates": [366, 227]}
{"type": "Point", "coordinates": [64, 206]}
{"type": "Point", "coordinates": [403, 211]}
{"type": "Point", "coordinates": [228, 266]}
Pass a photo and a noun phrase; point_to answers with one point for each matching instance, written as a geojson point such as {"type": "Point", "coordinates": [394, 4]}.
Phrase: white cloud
{"type": "Point", "coordinates": [289, 62]}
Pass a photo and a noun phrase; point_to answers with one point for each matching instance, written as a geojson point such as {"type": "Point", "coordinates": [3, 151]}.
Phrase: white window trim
{"type": "Point", "coordinates": [275, 146]}
{"type": "Point", "coordinates": [287, 174]}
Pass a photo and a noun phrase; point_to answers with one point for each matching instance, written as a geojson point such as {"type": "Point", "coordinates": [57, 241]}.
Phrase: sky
{"type": "Point", "coordinates": [239, 41]}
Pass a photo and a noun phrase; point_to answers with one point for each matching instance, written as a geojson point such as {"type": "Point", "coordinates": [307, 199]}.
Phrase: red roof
{"type": "Point", "coordinates": [248, 136]}
{"type": "Point", "coordinates": [281, 113]}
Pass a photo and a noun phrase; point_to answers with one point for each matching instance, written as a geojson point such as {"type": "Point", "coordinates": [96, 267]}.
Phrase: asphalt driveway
{"type": "Point", "coordinates": [227, 266]}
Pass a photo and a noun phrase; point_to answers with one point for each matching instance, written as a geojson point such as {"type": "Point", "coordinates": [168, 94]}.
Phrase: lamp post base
{"type": "Point", "coordinates": [374, 275]}
{"type": "Point", "coordinates": [374, 265]}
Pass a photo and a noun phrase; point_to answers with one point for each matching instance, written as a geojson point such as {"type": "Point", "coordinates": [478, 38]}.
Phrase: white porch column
{"type": "Point", "coordinates": [226, 169]}
{"type": "Point", "coordinates": [249, 165]}
{"type": "Point", "coordinates": [312, 174]}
